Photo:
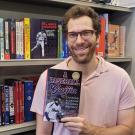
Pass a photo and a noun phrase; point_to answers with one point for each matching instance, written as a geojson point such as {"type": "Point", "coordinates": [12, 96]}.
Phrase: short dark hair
{"type": "Point", "coordinates": [79, 11]}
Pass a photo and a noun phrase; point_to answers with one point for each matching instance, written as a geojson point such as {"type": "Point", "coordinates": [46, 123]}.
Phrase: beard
{"type": "Point", "coordinates": [83, 58]}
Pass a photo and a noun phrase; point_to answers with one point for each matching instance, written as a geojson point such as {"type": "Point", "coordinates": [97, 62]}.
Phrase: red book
{"type": "Point", "coordinates": [100, 50]}
{"type": "Point", "coordinates": [21, 101]}
{"type": "Point", "coordinates": [12, 39]}
{"type": "Point", "coordinates": [16, 102]}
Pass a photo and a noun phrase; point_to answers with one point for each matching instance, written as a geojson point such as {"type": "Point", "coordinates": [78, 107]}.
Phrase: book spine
{"type": "Point", "coordinates": [11, 105]}
{"type": "Point", "coordinates": [100, 50]}
{"type": "Point", "coordinates": [122, 40]}
{"type": "Point", "coordinates": [6, 47]}
{"type": "Point", "coordinates": [1, 39]}
{"type": "Point", "coordinates": [12, 39]}
{"type": "Point", "coordinates": [1, 48]}
{"type": "Point", "coordinates": [28, 96]}
{"type": "Point", "coordinates": [6, 113]}
{"type": "Point", "coordinates": [27, 38]}
{"type": "Point", "coordinates": [17, 41]}
{"type": "Point", "coordinates": [21, 101]}
{"type": "Point", "coordinates": [16, 102]}
{"type": "Point", "coordinates": [3, 106]}
{"type": "Point", "coordinates": [21, 32]}
{"type": "Point", "coordinates": [1, 87]}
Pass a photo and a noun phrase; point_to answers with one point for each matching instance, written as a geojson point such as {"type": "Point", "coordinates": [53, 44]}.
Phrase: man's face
{"type": "Point", "coordinates": [83, 46]}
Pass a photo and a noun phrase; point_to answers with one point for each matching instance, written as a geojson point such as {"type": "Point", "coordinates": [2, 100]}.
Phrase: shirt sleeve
{"type": "Point", "coordinates": [39, 94]}
{"type": "Point", "coordinates": [127, 95]}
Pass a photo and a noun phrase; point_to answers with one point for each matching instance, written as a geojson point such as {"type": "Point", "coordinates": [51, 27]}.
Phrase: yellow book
{"type": "Point", "coordinates": [27, 38]}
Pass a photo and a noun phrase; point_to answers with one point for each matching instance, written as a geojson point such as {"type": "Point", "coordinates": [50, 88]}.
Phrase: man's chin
{"type": "Point", "coordinates": [81, 60]}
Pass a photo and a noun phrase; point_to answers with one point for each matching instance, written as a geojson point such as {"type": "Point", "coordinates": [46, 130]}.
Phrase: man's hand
{"type": "Point", "coordinates": [78, 124]}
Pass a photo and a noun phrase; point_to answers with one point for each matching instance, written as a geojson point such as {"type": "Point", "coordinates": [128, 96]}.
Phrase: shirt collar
{"type": "Point", "coordinates": [101, 68]}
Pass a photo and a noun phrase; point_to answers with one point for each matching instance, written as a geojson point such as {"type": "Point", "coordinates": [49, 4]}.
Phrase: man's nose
{"type": "Point", "coordinates": [79, 39]}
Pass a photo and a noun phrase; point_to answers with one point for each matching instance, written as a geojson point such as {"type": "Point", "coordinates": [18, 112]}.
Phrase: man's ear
{"type": "Point", "coordinates": [98, 38]}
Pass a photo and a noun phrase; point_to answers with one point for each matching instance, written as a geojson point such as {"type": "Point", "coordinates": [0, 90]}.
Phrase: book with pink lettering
{"type": "Point", "coordinates": [62, 95]}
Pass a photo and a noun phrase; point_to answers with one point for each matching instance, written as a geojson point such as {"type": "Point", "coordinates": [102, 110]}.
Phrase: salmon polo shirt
{"type": "Point", "coordinates": [105, 92]}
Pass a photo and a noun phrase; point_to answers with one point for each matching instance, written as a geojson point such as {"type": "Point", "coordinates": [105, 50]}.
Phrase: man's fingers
{"type": "Point", "coordinates": [73, 119]}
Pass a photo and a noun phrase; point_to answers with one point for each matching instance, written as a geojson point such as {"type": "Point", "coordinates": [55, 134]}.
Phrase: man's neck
{"type": "Point", "coordinates": [86, 69]}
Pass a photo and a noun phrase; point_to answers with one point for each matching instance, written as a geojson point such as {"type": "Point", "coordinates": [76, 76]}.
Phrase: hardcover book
{"type": "Point", "coordinates": [63, 89]}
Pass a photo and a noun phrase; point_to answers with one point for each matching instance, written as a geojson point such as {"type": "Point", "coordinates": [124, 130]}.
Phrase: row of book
{"type": "Point", "coordinates": [15, 101]}
{"type": "Point", "coordinates": [31, 38]}
{"type": "Point", "coordinates": [112, 38]}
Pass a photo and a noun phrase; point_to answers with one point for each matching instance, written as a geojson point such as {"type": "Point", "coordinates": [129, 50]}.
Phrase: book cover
{"type": "Point", "coordinates": [113, 40]}
{"type": "Point", "coordinates": [44, 38]}
{"type": "Point", "coordinates": [63, 89]}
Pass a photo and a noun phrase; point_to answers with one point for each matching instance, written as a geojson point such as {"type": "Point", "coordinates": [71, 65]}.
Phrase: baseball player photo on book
{"type": "Point", "coordinates": [62, 95]}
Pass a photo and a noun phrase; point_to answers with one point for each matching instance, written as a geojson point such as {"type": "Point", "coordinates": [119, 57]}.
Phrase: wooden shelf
{"type": "Point", "coordinates": [67, 3]}
{"type": "Point", "coordinates": [32, 62]}
{"type": "Point", "coordinates": [91, 4]}
{"type": "Point", "coordinates": [119, 59]}
{"type": "Point", "coordinates": [38, 62]}
{"type": "Point", "coordinates": [17, 128]}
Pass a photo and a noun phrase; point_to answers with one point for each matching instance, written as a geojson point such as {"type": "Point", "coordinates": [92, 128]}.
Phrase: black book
{"type": "Point", "coordinates": [63, 89]}
{"type": "Point", "coordinates": [44, 38]}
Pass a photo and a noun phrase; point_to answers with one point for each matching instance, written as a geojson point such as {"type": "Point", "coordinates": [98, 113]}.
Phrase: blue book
{"type": "Point", "coordinates": [1, 87]}
{"type": "Point", "coordinates": [7, 112]}
{"type": "Point", "coordinates": [28, 97]}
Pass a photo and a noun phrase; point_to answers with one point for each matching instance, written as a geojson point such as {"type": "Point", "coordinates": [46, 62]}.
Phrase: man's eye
{"type": "Point", "coordinates": [86, 33]}
{"type": "Point", "coordinates": [72, 35]}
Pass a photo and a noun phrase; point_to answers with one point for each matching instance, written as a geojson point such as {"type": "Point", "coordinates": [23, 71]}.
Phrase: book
{"type": "Point", "coordinates": [12, 36]}
{"type": "Point", "coordinates": [122, 41]}
{"type": "Point", "coordinates": [16, 102]}
{"type": "Point", "coordinates": [1, 87]}
{"type": "Point", "coordinates": [100, 48]}
{"type": "Point", "coordinates": [6, 105]}
{"type": "Point", "coordinates": [28, 97]}
{"type": "Point", "coordinates": [63, 89]}
{"type": "Point", "coordinates": [1, 39]}
{"type": "Point", "coordinates": [21, 101]}
{"type": "Point", "coordinates": [7, 42]}
{"type": "Point", "coordinates": [10, 83]}
{"type": "Point", "coordinates": [113, 40]}
{"type": "Point", "coordinates": [44, 38]}
{"type": "Point", "coordinates": [27, 38]}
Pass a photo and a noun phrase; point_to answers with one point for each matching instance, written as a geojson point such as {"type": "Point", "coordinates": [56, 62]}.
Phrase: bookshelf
{"type": "Point", "coordinates": [17, 128]}
{"type": "Point", "coordinates": [47, 9]}
{"type": "Point", "coordinates": [35, 62]}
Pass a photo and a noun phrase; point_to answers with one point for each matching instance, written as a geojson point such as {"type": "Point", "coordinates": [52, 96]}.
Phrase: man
{"type": "Point", "coordinates": [107, 94]}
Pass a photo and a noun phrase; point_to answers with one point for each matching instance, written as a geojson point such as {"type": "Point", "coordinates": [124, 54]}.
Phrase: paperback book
{"type": "Point", "coordinates": [62, 96]}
